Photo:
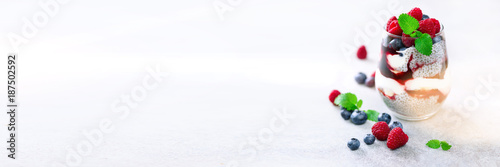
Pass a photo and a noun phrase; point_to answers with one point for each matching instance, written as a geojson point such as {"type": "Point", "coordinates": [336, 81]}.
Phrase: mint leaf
{"type": "Point", "coordinates": [424, 44]}
{"type": "Point", "coordinates": [360, 102]}
{"type": "Point", "coordinates": [348, 101]}
{"type": "Point", "coordinates": [372, 115]}
{"type": "Point", "coordinates": [416, 34]}
{"type": "Point", "coordinates": [445, 146]}
{"type": "Point", "coordinates": [433, 144]}
{"type": "Point", "coordinates": [407, 23]}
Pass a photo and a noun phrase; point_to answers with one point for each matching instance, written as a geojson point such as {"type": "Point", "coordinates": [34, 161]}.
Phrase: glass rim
{"type": "Point", "coordinates": [400, 36]}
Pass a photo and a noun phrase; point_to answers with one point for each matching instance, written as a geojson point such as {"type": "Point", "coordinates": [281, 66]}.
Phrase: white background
{"type": "Point", "coordinates": [226, 79]}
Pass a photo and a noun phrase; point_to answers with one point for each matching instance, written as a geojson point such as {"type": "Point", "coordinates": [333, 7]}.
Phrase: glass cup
{"type": "Point", "coordinates": [411, 84]}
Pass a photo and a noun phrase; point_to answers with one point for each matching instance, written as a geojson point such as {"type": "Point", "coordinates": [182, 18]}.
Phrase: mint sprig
{"type": "Point", "coordinates": [424, 44]}
{"type": "Point", "coordinates": [409, 25]}
{"type": "Point", "coordinates": [435, 144]}
{"type": "Point", "coordinates": [372, 115]}
{"type": "Point", "coordinates": [348, 101]}
{"type": "Point", "coordinates": [445, 145]}
{"type": "Point", "coordinates": [351, 102]}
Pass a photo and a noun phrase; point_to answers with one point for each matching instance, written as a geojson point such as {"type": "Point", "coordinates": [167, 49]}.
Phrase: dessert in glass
{"type": "Point", "coordinates": [411, 84]}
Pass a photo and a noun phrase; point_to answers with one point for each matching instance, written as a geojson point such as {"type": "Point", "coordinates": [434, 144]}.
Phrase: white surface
{"type": "Point", "coordinates": [227, 78]}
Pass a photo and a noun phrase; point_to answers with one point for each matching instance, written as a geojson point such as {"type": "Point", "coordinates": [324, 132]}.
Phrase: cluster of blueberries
{"type": "Point", "coordinates": [359, 117]}
{"type": "Point", "coordinates": [361, 78]}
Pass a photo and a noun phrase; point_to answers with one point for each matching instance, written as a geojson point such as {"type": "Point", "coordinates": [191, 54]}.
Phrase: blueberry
{"type": "Point", "coordinates": [396, 124]}
{"type": "Point", "coordinates": [436, 39]}
{"type": "Point", "coordinates": [385, 117]}
{"type": "Point", "coordinates": [345, 114]}
{"type": "Point", "coordinates": [396, 43]}
{"type": "Point", "coordinates": [370, 82]}
{"type": "Point", "coordinates": [360, 78]}
{"type": "Point", "coordinates": [353, 144]}
{"type": "Point", "coordinates": [425, 17]}
{"type": "Point", "coordinates": [369, 139]}
{"type": "Point", "coordinates": [358, 117]}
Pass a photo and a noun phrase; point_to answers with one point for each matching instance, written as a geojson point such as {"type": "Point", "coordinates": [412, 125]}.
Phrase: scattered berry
{"type": "Point", "coordinates": [397, 138]}
{"type": "Point", "coordinates": [437, 26]}
{"type": "Point", "coordinates": [396, 124]}
{"type": "Point", "coordinates": [436, 39]}
{"type": "Point", "coordinates": [425, 17]}
{"type": "Point", "coordinates": [396, 43]}
{"type": "Point", "coordinates": [407, 40]}
{"type": "Point", "coordinates": [353, 144]}
{"type": "Point", "coordinates": [373, 74]}
{"type": "Point", "coordinates": [360, 78]}
{"type": "Point", "coordinates": [393, 18]}
{"type": "Point", "coordinates": [416, 13]}
{"type": "Point", "coordinates": [369, 139]}
{"type": "Point", "coordinates": [359, 117]}
{"type": "Point", "coordinates": [427, 26]}
{"type": "Point", "coordinates": [362, 52]}
{"type": "Point", "coordinates": [345, 114]}
{"type": "Point", "coordinates": [370, 82]}
{"type": "Point", "coordinates": [385, 117]}
{"type": "Point", "coordinates": [381, 130]}
{"type": "Point", "coordinates": [333, 96]}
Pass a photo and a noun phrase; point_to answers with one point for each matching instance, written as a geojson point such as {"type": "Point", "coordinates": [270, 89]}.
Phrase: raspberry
{"type": "Point", "coordinates": [392, 25]}
{"type": "Point", "coordinates": [393, 18]}
{"type": "Point", "coordinates": [333, 96]}
{"type": "Point", "coordinates": [381, 130]}
{"type": "Point", "coordinates": [373, 74]}
{"type": "Point", "coordinates": [407, 40]}
{"type": "Point", "coordinates": [437, 26]}
{"type": "Point", "coordinates": [397, 138]}
{"type": "Point", "coordinates": [362, 52]}
{"type": "Point", "coordinates": [416, 13]}
{"type": "Point", "coordinates": [394, 28]}
{"type": "Point", "coordinates": [427, 26]}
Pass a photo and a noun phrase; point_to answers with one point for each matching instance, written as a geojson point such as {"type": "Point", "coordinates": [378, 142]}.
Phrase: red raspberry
{"type": "Point", "coordinates": [362, 52]}
{"type": "Point", "coordinates": [333, 96]}
{"type": "Point", "coordinates": [416, 13]}
{"type": "Point", "coordinates": [381, 130]}
{"type": "Point", "coordinates": [427, 26]}
{"type": "Point", "coordinates": [393, 18]}
{"type": "Point", "coordinates": [407, 40]}
{"type": "Point", "coordinates": [373, 74]}
{"type": "Point", "coordinates": [437, 26]}
{"type": "Point", "coordinates": [394, 28]}
{"type": "Point", "coordinates": [392, 24]}
{"type": "Point", "coordinates": [397, 138]}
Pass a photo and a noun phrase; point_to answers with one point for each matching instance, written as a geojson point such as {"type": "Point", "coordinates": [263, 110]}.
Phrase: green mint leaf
{"type": "Point", "coordinates": [416, 34]}
{"type": "Point", "coordinates": [424, 44]}
{"type": "Point", "coordinates": [445, 146]}
{"type": "Point", "coordinates": [347, 100]}
{"type": "Point", "coordinates": [360, 102]}
{"type": "Point", "coordinates": [433, 144]}
{"type": "Point", "coordinates": [372, 115]}
{"type": "Point", "coordinates": [419, 34]}
{"type": "Point", "coordinates": [407, 23]}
